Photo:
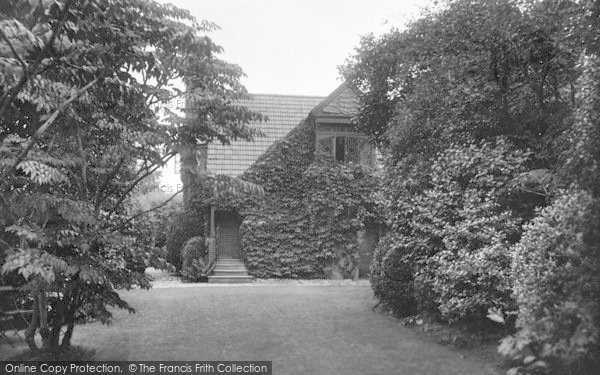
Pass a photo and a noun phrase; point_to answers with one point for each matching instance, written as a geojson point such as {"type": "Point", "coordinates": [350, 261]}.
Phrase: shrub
{"type": "Point", "coordinates": [556, 273]}
{"type": "Point", "coordinates": [185, 225]}
{"type": "Point", "coordinates": [467, 284]}
{"type": "Point", "coordinates": [472, 274]}
{"type": "Point", "coordinates": [193, 259]}
{"type": "Point", "coordinates": [392, 276]}
{"type": "Point", "coordinates": [149, 232]}
{"type": "Point", "coordinates": [450, 232]}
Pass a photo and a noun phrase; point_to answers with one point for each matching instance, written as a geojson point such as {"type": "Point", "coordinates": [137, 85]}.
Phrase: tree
{"type": "Point", "coordinates": [472, 69]}
{"type": "Point", "coordinates": [86, 115]}
{"type": "Point", "coordinates": [468, 72]}
{"type": "Point", "coordinates": [472, 224]}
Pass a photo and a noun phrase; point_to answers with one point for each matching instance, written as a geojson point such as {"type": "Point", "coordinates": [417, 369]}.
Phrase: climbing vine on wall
{"type": "Point", "coordinates": [306, 225]}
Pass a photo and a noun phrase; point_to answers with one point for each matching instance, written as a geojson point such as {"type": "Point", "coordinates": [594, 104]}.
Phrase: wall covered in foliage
{"type": "Point", "coordinates": [306, 225]}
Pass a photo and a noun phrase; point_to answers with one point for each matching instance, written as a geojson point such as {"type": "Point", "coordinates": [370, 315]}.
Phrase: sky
{"type": "Point", "coordinates": [294, 47]}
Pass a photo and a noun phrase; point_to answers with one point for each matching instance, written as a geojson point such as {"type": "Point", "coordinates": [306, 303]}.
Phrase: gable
{"type": "Point", "coordinates": [283, 112]}
{"type": "Point", "coordinates": [341, 105]}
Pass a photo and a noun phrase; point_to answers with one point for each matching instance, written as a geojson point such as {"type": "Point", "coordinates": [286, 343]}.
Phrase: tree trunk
{"type": "Point", "coordinates": [66, 341]}
{"type": "Point", "coordinates": [43, 318]}
{"type": "Point", "coordinates": [33, 326]}
{"type": "Point", "coordinates": [52, 344]}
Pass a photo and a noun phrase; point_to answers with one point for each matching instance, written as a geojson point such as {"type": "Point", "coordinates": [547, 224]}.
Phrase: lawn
{"type": "Point", "coordinates": [303, 329]}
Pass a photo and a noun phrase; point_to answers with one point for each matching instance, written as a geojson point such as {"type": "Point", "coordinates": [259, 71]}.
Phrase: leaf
{"type": "Point", "coordinates": [41, 173]}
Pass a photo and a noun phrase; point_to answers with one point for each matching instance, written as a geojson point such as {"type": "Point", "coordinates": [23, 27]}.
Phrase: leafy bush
{"type": "Point", "coordinates": [451, 232]}
{"type": "Point", "coordinates": [193, 259]}
{"type": "Point", "coordinates": [556, 273]}
{"type": "Point", "coordinates": [392, 276]}
{"type": "Point", "coordinates": [472, 273]}
{"type": "Point", "coordinates": [185, 225]}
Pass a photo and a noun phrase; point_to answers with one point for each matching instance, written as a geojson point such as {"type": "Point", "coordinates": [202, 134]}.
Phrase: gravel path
{"type": "Point", "coordinates": [303, 329]}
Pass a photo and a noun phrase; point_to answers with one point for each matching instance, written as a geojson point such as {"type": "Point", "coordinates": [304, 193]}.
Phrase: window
{"type": "Point", "coordinates": [340, 149]}
{"type": "Point", "coordinates": [325, 145]}
{"type": "Point", "coordinates": [346, 148]}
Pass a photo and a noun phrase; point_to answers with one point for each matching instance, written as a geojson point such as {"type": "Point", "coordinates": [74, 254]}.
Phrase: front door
{"type": "Point", "coordinates": [227, 226]}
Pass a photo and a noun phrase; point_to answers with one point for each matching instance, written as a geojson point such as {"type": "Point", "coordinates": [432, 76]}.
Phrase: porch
{"type": "Point", "coordinates": [225, 248]}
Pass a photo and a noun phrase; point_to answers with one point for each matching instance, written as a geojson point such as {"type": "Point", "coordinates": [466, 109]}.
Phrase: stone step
{"type": "Point", "coordinates": [238, 272]}
{"type": "Point", "coordinates": [230, 263]}
{"type": "Point", "coordinates": [241, 271]}
{"type": "Point", "coordinates": [229, 271]}
{"type": "Point", "coordinates": [230, 266]}
{"type": "Point", "coordinates": [229, 279]}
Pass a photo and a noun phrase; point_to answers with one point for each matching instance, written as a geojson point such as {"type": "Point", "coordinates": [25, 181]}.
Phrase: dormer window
{"type": "Point", "coordinates": [344, 145]}
{"type": "Point", "coordinates": [336, 135]}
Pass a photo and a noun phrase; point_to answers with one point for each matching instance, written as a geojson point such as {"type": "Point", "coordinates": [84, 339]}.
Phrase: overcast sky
{"type": "Point", "coordinates": [295, 47]}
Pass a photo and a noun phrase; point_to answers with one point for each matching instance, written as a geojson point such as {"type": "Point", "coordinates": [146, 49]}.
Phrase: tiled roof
{"type": "Point", "coordinates": [284, 112]}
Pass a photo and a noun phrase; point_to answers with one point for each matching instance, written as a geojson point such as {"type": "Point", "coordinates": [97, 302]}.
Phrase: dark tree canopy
{"type": "Point", "coordinates": [474, 70]}
{"type": "Point", "coordinates": [87, 112]}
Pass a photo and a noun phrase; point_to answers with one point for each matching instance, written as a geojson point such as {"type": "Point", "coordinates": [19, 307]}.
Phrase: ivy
{"type": "Point", "coordinates": [306, 224]}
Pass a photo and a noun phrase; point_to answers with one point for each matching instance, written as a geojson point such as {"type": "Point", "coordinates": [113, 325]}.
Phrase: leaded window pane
{"type": "Point", "coordinates": [340, 148]}
{"type": "Point", "coordinates": [353, 150]}
{"type": "Point", "coordinates": [325, 145]}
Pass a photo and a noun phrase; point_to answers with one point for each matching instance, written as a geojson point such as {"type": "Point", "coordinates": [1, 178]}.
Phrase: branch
{"type": "Point", "coordinates": [145, 168]}
{"type": "Point", "coordinates": [83, 164]}
{"type": "Point", "coordinates": [13, 50]}
{"type": "Point", "coordinates": [136, 182]}
{"type": "Point", "coordinates": [545, 194]}
{"type": "Point", "coordinates": [153, 208]}
{"type": "Point", "coordinates": [48, 123]}
{"type": "Point", "coordinates": [6, 98]}
{"type": "Point", "coordinates": [109, 177]}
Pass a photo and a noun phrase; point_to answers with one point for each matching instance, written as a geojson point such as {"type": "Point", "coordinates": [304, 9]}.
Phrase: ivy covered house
{"type": "Point", "coordinates": [296, 202]}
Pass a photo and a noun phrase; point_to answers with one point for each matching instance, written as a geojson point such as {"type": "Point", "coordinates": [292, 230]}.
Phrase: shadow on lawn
{"type": "Point", "coordinates": [14, 348]}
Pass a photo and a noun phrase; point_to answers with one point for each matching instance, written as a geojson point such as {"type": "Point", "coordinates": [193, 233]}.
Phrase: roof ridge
{"type": "Point", "coordinates": [289, 95]}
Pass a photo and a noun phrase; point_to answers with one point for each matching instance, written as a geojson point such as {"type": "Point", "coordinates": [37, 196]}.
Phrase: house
{"type": "Point", "coordinates": [235, 171]}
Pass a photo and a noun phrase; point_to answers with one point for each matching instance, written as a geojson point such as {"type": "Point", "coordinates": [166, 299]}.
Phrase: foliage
{"type": "Point", "coordinates": [555, 266]}
{"type": "Point", "coordinates": [451, 236]}
{"type": "Point", "coordinates": [392, 276]}
{"type": "Point", "coordinates": [223, 191]}
{"type": "Point", "coordinates": [556, 272]}
{"type": "Point", "coordinates": [470, 274]}
{"type": "Point", "coordinates": [306, 224]}
{"type": "Point", "coordinates": [582, 158]}
{"type": "Point", "coordinates": [184, 225]}
{"type": "Point", "coordinates": [470, 69]}
{"type": "Point", "coordinates": [194, 259]}
{"type": "Point", "coordinates": [150, 230]}
{"type": "Point", "coordinates": [464, 75]}
{"type": "Point", "coordinates": [82, 123]}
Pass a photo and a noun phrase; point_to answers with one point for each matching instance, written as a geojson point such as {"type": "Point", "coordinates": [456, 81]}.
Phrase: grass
{"type": "Point", "coordinates": [303, 329]}
{"type": "Point", "coordinates": [74, 353]}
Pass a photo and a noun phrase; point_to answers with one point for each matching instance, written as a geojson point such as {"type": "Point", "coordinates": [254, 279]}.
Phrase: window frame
{"type": "Point", "coordinates": [341, 130]}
